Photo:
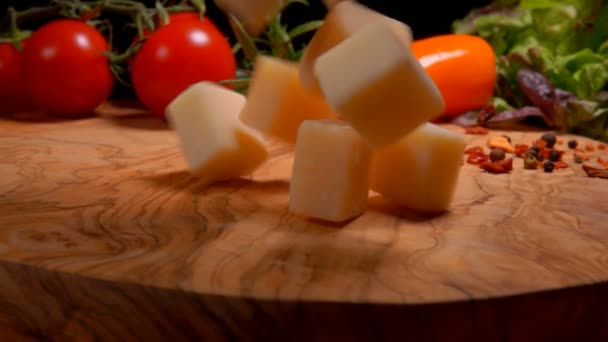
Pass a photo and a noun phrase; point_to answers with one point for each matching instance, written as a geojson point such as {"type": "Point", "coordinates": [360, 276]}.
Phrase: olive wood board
{"type": "Point", "coordinates": [107, 202]}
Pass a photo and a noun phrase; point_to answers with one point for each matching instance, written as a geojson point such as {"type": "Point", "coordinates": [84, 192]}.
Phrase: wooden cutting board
{"type": "Point", "coordinates": [105, 206]}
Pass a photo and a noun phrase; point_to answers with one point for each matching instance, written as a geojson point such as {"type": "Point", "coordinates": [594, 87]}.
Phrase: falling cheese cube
{"type": "Point", "coordinates": [374, 81]}
{"type": "Point", "coordinates": [420, 171]}
{"type": "Point", "coordinates": [217, 146]}
{"type": "Point", "coordinates": [342, 21]}
{"type": "Point", "coordinates": [254, 15]}
{"type": "Point", "coordinates": [276, 102]}
{"type": "Point", "coordinates": [330, 175]}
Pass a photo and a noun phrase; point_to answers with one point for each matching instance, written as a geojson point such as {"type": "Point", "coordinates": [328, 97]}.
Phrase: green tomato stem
{"type": "Point", "coordinates": [139, 25]}
{"type": "Point", "coordinates": [246, 42]}
{"type": "Point", "coordinates": [37, 12]}
{"type": "Point", "coordinates": [200, 7]}
{"type": "Point", "coordinates": [162, 13]}
{"type": "Point", "coordinates": [14, 29]}
{"type": "Point", "coordinates": [180, 8]}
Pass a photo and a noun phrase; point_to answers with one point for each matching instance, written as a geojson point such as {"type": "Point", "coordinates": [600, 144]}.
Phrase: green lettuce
{"type": "Point", "coordinates": [565, 40]}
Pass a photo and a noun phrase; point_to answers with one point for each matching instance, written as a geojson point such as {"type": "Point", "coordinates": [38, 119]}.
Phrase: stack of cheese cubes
{"type": "Point", "coordinates": [357, 109]}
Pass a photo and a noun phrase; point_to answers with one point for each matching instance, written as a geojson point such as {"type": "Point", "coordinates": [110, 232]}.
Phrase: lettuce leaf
{"type": "Point", "coordinates": [564, 40]}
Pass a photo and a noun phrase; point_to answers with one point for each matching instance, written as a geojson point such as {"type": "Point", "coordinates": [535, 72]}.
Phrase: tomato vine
{"type": "Point", "coordinates": [278, 40]}
{"type": "Point", "coordinates": [127, 25]}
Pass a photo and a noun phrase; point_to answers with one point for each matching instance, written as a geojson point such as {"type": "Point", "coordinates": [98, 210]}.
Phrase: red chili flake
{"type": "Point", "coordinates": [474, 149]}
{"type": "Point", "coordinates": [478, 130]}
{"type": "Point", "coordinates": [601, 146]}
{"type": "Point", "coordinates": [602, 162]}
{"type": "Point", "coordinates": [476, 155]}
{"type": "Point", "coordinates": [545, 152]}
{"type": "Point", "coordinates": [520, 150]}
{"type": "Point", "coordinates": [540, 143]}
{"type": "Point", "coordinates": [560, 164]}
{"type": "Point", "coordinates": [477, 158]}
{"type": "Point", "coordinates": [590, 147]}
{"type": "Point", "coordinates": [594, 172]}
{"type": "Point", "coordinates": [501, 166]}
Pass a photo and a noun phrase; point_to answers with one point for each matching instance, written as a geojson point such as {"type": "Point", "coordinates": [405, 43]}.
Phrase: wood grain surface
{"type": "Point", "coordinates": [99, 216]}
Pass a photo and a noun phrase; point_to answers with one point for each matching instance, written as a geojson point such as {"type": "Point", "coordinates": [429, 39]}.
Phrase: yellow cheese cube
{"type": "Point", "coordinates": [330, 175]}
{"type": "Point", "coordinates": [217, 146]}
{"type": "Point", "coordinates": [276, 102]}
{"type": "Point", "coordinates": [254, 15]}
{"type": "Point", "coordinates": [374, 81]}
{"type": "Point", "coordinates": [343, 20]}
{"type": "Point", "coordinates": [421, 170]}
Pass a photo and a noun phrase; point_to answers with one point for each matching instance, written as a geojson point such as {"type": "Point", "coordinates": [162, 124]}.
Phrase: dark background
{"type": "Point", "coordinates": [424, 17]}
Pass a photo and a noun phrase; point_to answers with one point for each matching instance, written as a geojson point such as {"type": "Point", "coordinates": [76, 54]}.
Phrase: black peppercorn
{"type": "Point", "coordinates": [497, 154]}
{"type": "Point", "coordinates": [554, 156]}
{"type": "Point", "coordinates": [535, 149]}
{"type": "Point", "coordinates": [550, 139]}
{"type": "Point", "coordinates": [539, 156]}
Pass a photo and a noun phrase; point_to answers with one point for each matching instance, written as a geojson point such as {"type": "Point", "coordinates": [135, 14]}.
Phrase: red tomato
{"type": "Point", "coordinates": [64, 70]}
{"type": "Point", "coordinates": [173, 18]}
{"type": "Point", "coordinates": [462, 66]}
{"type": "Point", "coordinates": [177, 56]}
{"type": "Point", "coordinates": [13, 95]}
{"type": "Point", "coordinates": [185, 16]}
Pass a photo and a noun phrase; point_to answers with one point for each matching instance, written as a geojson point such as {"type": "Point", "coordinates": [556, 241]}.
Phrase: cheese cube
{"type": "Point", "coordinates": [276, 102]}
{"type": "Point", "coordinates": [421, 170]}
{"type": "Point", "coordinates": [375, 83]}
{"type": "Point", "coordinates": [254, 15]}
{"type": "Point", "coordinates": [342, 21]}
{"type": "Point", "coordinates": [217, 146]}
{"type": "Point", "coordinates": [330, 175]}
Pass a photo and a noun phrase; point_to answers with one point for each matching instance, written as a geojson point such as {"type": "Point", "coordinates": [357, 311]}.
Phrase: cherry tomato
{"type": "Point", "coordinates": [177, 56]}
{"type": "Point", "coordinates": [462, 66]}
{"type": "Point", "coordinates": [173, 18]}
{"type": "Point", "coordinates": [13, 95]}
{"type": "Point", "coordinates": [64, 69]}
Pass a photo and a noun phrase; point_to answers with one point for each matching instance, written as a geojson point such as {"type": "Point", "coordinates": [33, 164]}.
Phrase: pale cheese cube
{"type": "Point", "coordinates": [421, 170]}
{"type": "Point", "coordinates": [330, 175]}
{"type": "Point", "coordinates": [216, 145]}
{"type": "Point", "coordinates": [254, 15]}
{"type": "Point", "coordinates": [374, 81]}
{"type": "Point", "coordinates": [342, 21]}
{"type": "Point", "coordinates": [276, 102]}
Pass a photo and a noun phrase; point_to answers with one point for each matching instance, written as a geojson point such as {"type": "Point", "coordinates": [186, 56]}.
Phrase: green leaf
{"type": "Point", "coordinates": [246, 42]}
{"type": "Point", "coordinates": [524, 45]}
{"type": "Point", "coordinates": [596, 128]}
{"type": "Point", "coordinates": [509, 21]}
{"type": "Point", "coordinates": [566, 40]}
{"type": "Point", "coordinates": [305, 28]}
{"type": "Point", "coordinates": [579, 111]}
{"type": "Point", "coordinates": [591, 78]}
{"type": "Point", "coordinates": [576, 61]}
{"type": "Point", "coordinates": [500, 105]}
{"type": "Point", "coordinates": [539, 3]}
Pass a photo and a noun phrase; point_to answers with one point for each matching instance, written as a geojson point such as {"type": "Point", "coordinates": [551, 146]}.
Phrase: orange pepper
{"type": "Point", "coordinates": [462, 66]}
